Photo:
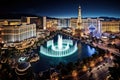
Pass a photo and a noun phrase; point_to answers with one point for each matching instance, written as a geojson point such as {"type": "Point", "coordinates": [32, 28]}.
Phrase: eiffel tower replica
{"type": "Point", "coordinates": [79, 20]}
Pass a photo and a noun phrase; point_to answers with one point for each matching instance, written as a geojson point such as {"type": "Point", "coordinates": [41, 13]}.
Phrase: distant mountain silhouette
{"type": "Point", "coordinates": [51, 17]}
{"type": "Point", "coordinates": [109, 18]}
{"type": "Point", "coordinates": [16, 16]}
{"type": "Point", "coordinates": [19, 15]}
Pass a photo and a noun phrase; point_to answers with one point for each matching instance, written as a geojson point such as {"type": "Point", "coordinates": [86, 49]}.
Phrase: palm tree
{"type": "Point", "coordinates": [115, 71]}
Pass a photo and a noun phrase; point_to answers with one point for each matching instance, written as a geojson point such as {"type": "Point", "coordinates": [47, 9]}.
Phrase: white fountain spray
{"type": "Point", "coordinates": [59, 42]}
{"type": "Point", "coordinates": [64, 47]}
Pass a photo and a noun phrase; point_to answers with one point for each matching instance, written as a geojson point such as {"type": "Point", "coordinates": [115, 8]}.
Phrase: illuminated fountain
{"type": "Point", "coordinates": [63, 47]}
{"type": "Point", "coordinates": [59, 42]}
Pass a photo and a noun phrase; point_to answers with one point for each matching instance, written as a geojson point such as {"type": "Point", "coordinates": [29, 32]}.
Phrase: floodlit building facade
{"type": "Point", "coordinates": [53, 22]}
{"type": "Point", "coordinates": [111, 26]}
{"type": "Point", "coordinates": [16, 32]}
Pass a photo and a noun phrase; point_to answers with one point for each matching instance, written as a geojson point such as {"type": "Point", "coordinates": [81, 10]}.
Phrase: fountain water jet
{"type": "Point", "coordinates": [64, 47]}
{"type": "Point", "coordinates": [59, 42]}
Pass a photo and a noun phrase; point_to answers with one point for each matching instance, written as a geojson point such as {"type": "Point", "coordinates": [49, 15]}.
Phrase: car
{"type": "Point", "coordinates": [90, 69]}
{"type": "Point", "coordinates": [98, 68]}
{"type": "Point", "coordinates": [104, 64]}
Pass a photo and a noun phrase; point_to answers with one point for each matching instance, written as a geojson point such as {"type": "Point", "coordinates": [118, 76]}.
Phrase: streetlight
{"type": "Point", "coordinates": [92, 64]}
{"type": "Point", "coordinates": [74, 73]}
{"type": "Point", "coordinates": [84, 68]}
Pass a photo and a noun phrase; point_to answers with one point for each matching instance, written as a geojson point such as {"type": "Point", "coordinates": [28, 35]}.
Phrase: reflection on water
{"type": "Point", "coordinates": [45, 61]}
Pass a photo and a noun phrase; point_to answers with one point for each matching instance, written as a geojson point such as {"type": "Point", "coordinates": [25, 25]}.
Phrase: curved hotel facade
{"type": "Point", "coordinates": [17, 33]}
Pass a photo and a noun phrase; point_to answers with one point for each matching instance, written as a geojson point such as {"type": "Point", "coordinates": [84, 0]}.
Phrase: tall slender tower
{"type": "Point", "coordinates": [44, 22]}
{"type": "Point", "coordinates": [79, 20]}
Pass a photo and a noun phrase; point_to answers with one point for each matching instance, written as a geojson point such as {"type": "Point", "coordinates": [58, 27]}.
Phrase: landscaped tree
{"type": "Point", "coordinates": [115, 71]}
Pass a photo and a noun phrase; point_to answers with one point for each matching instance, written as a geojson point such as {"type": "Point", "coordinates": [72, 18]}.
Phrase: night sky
{"type": "Point", "coordinates": [62, 8]}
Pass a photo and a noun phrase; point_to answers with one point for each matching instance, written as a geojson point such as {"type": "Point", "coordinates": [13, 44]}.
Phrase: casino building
{"type": "Point", "coordinates": [16, 31]}
{"type": "Point", "coordinates": [24, 71]}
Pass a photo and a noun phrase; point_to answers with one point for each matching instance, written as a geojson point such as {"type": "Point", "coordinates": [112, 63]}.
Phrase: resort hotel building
{"type": "Point", "coordinates": [16, 31]}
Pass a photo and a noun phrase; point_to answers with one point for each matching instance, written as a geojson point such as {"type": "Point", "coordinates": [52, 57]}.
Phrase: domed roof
{"type": "Point", "coordinates": [23, 66]}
